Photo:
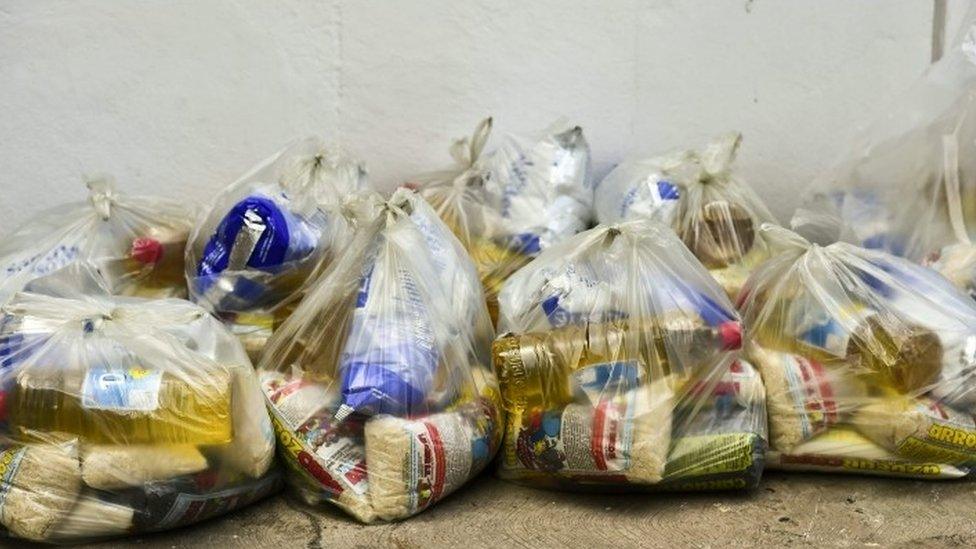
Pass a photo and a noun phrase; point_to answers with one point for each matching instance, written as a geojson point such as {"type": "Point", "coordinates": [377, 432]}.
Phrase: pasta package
{"type": "Point", "coordinates": [507, 206]}
{"type": "Point", "coordinates": [868, 361]}
{"type": "Point", "coordinates": [122, 416]}
{"type": "Point", "coordinates": [132, 244]}
{"type": "Point", "coordinates": [618, 365]}
{"type": "Point", "coordinates": [715, 213]}
{"type": "Point", "coordinates": [266, 235]}
{"type": "Point", "coordinates": [380, 384]}
{"type": "Point", "coordinates": [907, 183]}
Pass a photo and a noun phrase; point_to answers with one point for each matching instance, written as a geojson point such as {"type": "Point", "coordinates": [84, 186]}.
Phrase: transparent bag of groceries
{"type": "Point", "coordinates": [506, 206]}
{"type": "Point", "coordinates": [907, 184]}
{"type": "Point", "coordinates": [618, 369]}
{"type": "Point", "coordinates": [868, 361]}
{"type": "Point", "coordinates": [380, 384]}
{"type": "Point", "coordinates": [135, 243]}
{"type": "Point", "coordinates": [715, 212]}
{"type": "Point", "coordinates": [121, 416]}
{"type": "Point", "coordinates": [266, 236]}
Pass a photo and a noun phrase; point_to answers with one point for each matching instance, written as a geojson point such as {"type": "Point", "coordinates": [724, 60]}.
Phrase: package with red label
{"type": "Point", "coordinates": [124, 415]}
{"type": "Point", "coordinates": [380, 384]}
{"type": "Point", "coordinates": [134, 244]}
{"type": "Point", "coordinates": [868, 360]}
{"type": "Point", "coordinates": [618, 369]}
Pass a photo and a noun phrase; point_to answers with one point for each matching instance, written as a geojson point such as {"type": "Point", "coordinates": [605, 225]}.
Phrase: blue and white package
{"type": "Point", "coordinates": [260, 235]}
{"type": "Point", "coordinates": [541, 188]}
{"type": "Point", "coordinates": [267, 234]}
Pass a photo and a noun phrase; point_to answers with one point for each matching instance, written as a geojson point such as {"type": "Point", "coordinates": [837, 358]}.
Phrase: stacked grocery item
{"type": "Point", "coordinates": [716, 214]}
{"type": "Point", "coordinates": [869, 361]}
{"type": "Point", "coordinates": [507, 206]}
{"type": "Point", "coordinates": [134, 244]}
{"type": "Point", "coordinates": [618, 368]}
{"type": "Point", "coordinates": [266, 235]}
{"type": "Point", "coordinates": [907, 185]}
{"type": "Point", "coordinates": [124, 415]}
{"type": "Point", "coordinates": [380, 384]}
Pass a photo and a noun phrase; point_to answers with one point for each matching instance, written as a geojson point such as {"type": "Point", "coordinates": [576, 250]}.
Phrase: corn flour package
{"type": "Point", "coordinates": [507, 206]}
{"type": "Point", "coordinates": [266, 235]}
{"type": "Point", "coordinates": [907, 185]}
{"type": "Point", "coordinates": [134, 244]}
{"type": "Point", "coordinates": [380, 384]}
{"type": "Point", "coordinates": [868, 360]}
{"type": "Point", "coordinates": [124, 415]}
{"type": "Point", "coordinates": [714, 212]}
{"type": "Point", "coordinates": [618, 369]}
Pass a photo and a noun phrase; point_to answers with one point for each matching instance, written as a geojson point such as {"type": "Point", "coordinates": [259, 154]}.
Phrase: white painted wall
{"type": "Point", "coordinates": [180, 97]}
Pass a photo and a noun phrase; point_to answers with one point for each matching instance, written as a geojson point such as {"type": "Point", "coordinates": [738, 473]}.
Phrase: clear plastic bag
{"type": "Point", "coordinates": [380, 384]}
{"type": "Point", "coordinates": [869, 361]}
{"type": "Point", "coordinates": [907, 185]}
{"type": "Point", "coordinates": [267, 234]}
{"type": "Point", "coordinates": [618, 369]}
{"type": "Point", "coordinates": [134, 243]}
{"type": "Point", "coordinates": [124, 415]}
{"type": "Point", "coordinates": [505, 207]}
{"type": "Point", "coordinates": [715, 213]}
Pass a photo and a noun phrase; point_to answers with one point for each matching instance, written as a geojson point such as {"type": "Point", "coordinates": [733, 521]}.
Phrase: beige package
{"type": "Point", "coordinates": [844, 450]}
{"type": "Point", "coordinates": [93, 518]}
{"type": "Point", "coordinates": [415, 462]}
{"type": "Point", "coordinates": [252, 449]}
{"type": "Point", "coordinates": [628, 435]}
{"type": "Point", "coordinates": [111, 467]}
{"type": "Point", "coordinates": [804, 398]}
{"type": "Point", "coordinates": [919, 429]}
{"type": "Point", "coordinates": [39, 485]}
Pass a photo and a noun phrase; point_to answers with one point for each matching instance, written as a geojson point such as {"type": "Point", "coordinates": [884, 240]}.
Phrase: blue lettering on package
{"type": "Point", "coordinates": [44, 263]}
{"type": "Point", "coordinates": [667, 190]}
{"type": "Point", "coordinates": [560, 317]}
{"type": "Point", "coordinates": [124, 389]}
{"type": "Point", "coordinates": [525, 243]}
{"type": "Point", "coordinates": [598, 379]}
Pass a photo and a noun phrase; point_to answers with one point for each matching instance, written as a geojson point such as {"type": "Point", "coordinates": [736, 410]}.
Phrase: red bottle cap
{"type": "Point", "coordinates": [731, 333]}
{"type": "Point", "coordinates": [147, 250]}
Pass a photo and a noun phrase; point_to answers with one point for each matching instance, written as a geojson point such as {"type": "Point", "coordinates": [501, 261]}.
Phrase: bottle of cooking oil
{"type": "Point", "coordinates": [552, 369]}
{"type": "Point", "coordinates": [122, 402]}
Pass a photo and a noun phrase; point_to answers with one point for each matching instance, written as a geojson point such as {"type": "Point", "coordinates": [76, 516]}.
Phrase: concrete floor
{"type": "Point", "coordinates": [821, 510]}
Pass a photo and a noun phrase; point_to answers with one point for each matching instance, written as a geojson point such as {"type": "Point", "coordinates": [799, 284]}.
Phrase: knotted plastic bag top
{"type": "Point", "coordinates": [117, 410]}
{"type": "Point", "coordinates": [697, 193]}
{"type": "Point", "coordinates": [382, 374]}
{"type": "Point", "coordinates": [134, 243]}
{"type": "Point", "coordinates": [851, 340]}
{"type": "Point", "coordinates": [617, 368]}
{"type": "Point", "coordinates": [508, 205]}
{"type": "Point", "coordinates": [267, 234]}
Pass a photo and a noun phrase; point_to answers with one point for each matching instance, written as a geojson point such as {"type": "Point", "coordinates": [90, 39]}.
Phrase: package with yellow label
{"type": "Point", "coordinates": [618, 369]}
{"type": "Point", "coordinates": [380, 384]}
{"type": "Point", "coordinates": [133, 244]}
{"type": "Point", "coordinates": [124, 415]}
{"type": "Point", "coordinates": [868, 360]}
{"type": "Point", "coordinates": [508, 205]}
{"type": "Point", "coordinates": [715, 212]}
{"type": "Point", "coordinates": [268, 234]}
